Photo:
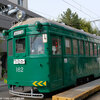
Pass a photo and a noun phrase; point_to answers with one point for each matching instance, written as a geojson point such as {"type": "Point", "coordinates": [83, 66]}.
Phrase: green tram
{"type": "Point", "coordinates": [48, 56]}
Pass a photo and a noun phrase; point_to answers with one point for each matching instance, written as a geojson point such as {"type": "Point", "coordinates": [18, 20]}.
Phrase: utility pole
{"type": "Point", "coordinates": [95, 20]}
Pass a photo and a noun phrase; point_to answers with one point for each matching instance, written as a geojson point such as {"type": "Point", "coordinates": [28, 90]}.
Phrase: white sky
{"type": "Point", "coordinates": [51, 9]}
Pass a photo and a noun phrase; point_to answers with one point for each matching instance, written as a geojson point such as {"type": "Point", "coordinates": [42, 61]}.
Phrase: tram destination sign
{"type": "Point", "coordinates": [18, 32]}
{"type": "Point", "coordinates": [19, 61]}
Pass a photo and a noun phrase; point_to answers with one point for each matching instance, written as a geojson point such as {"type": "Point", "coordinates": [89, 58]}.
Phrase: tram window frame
{"type": "Point", "coordinates": [10, 48]}
{"type": "Point", "coordinates": [36, 51]}
{"type": "Point", "coordinates": [75, 46]}
{"type": "Point", "coordinates": [81, 47]}
{"type": "Point", "coordinates": [95, 47]}
{"type": "Point", "coordinates": [24, 45]}
{"type": "Point", "coordinates": [91, 49]}
{"type": "Point", "coordinates": [68, 46]}
{"type": "Point", "coordinates": [58, 47]}
{"type": "Point", "coordinates": [86, 48]}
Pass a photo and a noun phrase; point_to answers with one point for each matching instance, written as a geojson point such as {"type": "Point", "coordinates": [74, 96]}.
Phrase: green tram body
{"type": "Point", "coordinates": [61, 61]}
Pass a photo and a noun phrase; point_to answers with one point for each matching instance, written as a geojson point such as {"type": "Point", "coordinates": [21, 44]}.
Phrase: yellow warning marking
{"type": "Point", "coordinates": [5, 81]}
{"type": "Point", "coordinates": [40, 83]}
{"type": "Point", "coordinates": [34, 83]}
{"type": "Point", "coordinates": [44, 83]}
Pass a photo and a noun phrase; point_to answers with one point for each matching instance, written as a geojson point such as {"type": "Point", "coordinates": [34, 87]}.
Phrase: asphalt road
{"type": "Point", "coordinates": [4, 95]}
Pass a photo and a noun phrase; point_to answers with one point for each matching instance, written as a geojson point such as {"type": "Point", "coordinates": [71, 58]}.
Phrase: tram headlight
{"type": "Point", "coordinates": [20, 15]}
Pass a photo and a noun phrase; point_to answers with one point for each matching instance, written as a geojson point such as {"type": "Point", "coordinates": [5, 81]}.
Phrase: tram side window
{"type": "Point", "coordinates": [87, 48]}
{"type": "Point", "coordinates": [68, 46]}
{"type": "Point", "coordinates": [56, 46]}
{"type": "Point", "coordinates": [91, 49]}
{"type": "Point", "coordinates": [36, 45]}
{"type": "Point", "coordinates": [98, 49]}
{"type": "Point", "coordinates": [95, 49]}
{"type": "Point", "coordinates": [75, 47]}
{"type": "Point", "coordinates": [10, 48]}
{"type": "Point", "coordinates": [81, 47]}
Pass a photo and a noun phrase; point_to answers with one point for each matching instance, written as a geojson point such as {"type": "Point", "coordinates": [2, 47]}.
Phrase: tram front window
{"type": "Point", "coordinates": [20, 45]}
{"type": "Point", "coordinates": [36, 45]}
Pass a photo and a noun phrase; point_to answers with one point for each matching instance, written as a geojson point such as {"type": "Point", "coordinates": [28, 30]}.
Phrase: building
{"type": "Point", "coordinates": [22, 3]}
{"type": "Point", "coordinates": [9, 19]}
{"type": "Point", "coordinates": [8, 12]}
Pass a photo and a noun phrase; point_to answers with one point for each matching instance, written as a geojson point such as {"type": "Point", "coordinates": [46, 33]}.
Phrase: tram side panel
{"type": "Point", "coordinates": [74, 67]}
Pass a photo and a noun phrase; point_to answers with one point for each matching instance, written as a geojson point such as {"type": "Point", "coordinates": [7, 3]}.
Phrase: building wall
{"type": "Point", "coordinates": [14, 1]}
{"type": "Point", "coordinates": [25, 3]}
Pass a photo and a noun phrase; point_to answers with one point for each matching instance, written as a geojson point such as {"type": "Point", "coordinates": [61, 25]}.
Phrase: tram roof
{"type": "Point", "coordinates": [44, 20]}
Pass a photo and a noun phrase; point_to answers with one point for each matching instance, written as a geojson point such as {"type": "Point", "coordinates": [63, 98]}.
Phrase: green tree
{"type": "Point", "coordinates": [70, 19]}
{"type": "Point", "coordinates": [73, 20]}
{"type": "Point", "coordinates": [85, 25]}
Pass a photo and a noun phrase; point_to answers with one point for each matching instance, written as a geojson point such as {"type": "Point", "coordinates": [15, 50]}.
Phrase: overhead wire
{"type": "Point", "coordinates": [44, 14]}
{"type": "Point", "coordinates": [72, 6]}
{"type": "Point", "coordinates": [85, 8]}
{"type": "Point", "coordinates": [77, 8]}
{"type": "Point", "coordinates": [80, 10]}
{"type": "Point", "coordinates": [94, 21]}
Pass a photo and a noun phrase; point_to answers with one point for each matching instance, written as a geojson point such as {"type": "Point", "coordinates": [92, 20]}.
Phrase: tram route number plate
{"type": "Point", "coordinates": [19, 69]}
{"type": "Point", "coordinates": [19, 61]}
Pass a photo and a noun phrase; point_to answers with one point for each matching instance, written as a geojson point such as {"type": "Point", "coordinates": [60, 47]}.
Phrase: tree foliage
{"type": "Point", "coordinates": [73, 20]}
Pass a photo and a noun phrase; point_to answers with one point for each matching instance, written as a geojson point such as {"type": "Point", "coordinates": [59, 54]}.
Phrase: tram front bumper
{"type": "Point", "coordinates": [28, 94]}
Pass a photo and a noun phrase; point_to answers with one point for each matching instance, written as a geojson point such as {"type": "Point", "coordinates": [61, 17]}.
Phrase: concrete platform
{"type": "Point", "coordinates": [80, 92]}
